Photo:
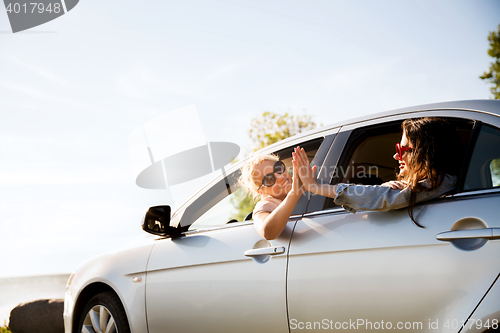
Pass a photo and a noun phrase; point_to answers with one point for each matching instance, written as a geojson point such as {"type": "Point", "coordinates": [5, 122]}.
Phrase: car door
{"type": "Point", "coordinates": [203, 282]}
{"type": "Point", "coordinates": [375, 271]}
{"type": "Point", "coordinates": [222, 277]}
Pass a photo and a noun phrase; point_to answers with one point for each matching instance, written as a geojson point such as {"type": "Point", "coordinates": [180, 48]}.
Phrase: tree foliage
{"type": "Point", "coordinates": [5, 328]}
{"type": "Point", "coordinates": [243, 203]}
{"type": "Point", "coordinates": [271, 127]}
{"type": "Point", "coordinates": [493, 76]}
{"type": "Point", "coordinates": [495, 171]}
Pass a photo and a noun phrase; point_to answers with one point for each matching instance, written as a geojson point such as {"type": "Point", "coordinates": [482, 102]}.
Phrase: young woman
{"type": "Point", "coordinates": [428, 156]}
{"type": "Point", "coordinates": [266, 177]}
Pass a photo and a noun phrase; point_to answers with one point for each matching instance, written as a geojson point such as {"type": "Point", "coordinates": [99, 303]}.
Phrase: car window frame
{"type": "Point", "coordinates": [461, 192]}
{"type": "Point", "coordinates": [327, 138]}
{"type": "Point", "coordinates": [319, 204]}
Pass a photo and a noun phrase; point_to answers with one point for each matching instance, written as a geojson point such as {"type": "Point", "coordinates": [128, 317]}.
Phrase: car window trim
{"type": "Point", "coordinates": [476, 129]}
{"type": "Point", "coordinates": [476, 192]}
{"type": "Point", "coordinates": [333, 210]}
{"type": "Point", "coordinates": [320, 160]}
{"type": "Point", "coordinates": [331, 160]}
{"type": "Point", "coordinates": [293, 218]}
{"type": "Point", "coordinates": [218, 227]}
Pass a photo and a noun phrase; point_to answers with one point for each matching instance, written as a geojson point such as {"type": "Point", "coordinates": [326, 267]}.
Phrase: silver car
{"type": "Point", "coordinates": [208, 270]}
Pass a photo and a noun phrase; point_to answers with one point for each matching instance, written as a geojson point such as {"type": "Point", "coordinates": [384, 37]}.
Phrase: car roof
{"type": "Point", "coordinates": [489, 106]}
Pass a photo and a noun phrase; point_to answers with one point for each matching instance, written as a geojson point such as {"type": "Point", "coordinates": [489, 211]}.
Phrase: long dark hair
{"type": "Point", "coordinates": [436, 152]}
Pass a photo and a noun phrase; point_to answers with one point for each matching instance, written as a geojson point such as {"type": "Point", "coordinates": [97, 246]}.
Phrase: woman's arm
{"type": "Point", "coordinates": [371, 193]}
{"type": "Point", "coordinates": [396, 184]}
{"type": "Point", "coordinates": [271, 225]}
{"type": "Point", "coordinates": [390, 195]}
{"type": "Point", "coordinates": [352, 197]}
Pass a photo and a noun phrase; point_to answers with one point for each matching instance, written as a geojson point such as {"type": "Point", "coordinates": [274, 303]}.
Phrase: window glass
{"type": "Point", "coordinates": [214, 206]}
{"type": "Point", "coordinates": [484, 167]}
{"type": "Point", "coordinates": [369, 158]}
{"type": "Point", "coordinates": [372, 162]}
{"type": "Point", "coordinates": [233, 208]}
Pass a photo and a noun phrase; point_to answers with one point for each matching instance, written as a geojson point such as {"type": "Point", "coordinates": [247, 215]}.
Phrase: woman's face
{"type": "Point", "coordinates": [403, 163]}
{"type": "Point", "coordinates": [281, 187]}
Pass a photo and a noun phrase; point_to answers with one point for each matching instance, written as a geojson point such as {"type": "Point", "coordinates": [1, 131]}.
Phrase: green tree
{"type": "Point", "coordinates": [493, 76]}
{"type": "Point", "coordinates": [243, 204]}
{"type": "Point", "coordinates": [5, 328]}
{"type": "Point", "coordinates": [271, 127]}
{"type": "Point", "coordinates": [265, 130]}
{"type": "Point", "coordinates": [495, 171]}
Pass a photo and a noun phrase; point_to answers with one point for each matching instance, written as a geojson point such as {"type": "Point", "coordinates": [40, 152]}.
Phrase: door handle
{"type": "Point", "coordinates": [270, 251]}
{"type": "Point", "coordinates": [487, 233]}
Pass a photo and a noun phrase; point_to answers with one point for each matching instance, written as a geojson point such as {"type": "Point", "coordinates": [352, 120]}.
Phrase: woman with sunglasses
{"type": "Point", "coordinates": [266, 177]}
{"type": "Point", "coordinates": [429, 156]}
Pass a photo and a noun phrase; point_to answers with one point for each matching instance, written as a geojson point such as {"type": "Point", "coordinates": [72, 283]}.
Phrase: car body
{"type": "Point", "coordinates": [329, 269]}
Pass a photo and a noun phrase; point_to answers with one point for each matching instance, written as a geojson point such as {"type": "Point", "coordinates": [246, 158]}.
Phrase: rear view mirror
{"type": "Point", "coordinates": [157, 222]}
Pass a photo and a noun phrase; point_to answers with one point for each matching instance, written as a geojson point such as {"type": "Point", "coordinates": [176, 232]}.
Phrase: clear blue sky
{"type": "Point", "coordinates": [74, 89]}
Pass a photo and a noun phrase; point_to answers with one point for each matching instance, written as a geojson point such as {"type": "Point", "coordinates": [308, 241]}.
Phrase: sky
{"type": "Point", "coordinates": [74, 90]}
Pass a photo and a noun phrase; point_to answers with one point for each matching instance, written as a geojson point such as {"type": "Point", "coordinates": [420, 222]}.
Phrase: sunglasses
{"type": "Point", "coordinates": [400, 150]}
{"type": "Point", "coordinates": [270, 179]}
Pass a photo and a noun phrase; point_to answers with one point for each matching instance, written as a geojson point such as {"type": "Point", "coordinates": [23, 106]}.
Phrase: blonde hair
{"type": "Point", "coordinates": [246, 178]}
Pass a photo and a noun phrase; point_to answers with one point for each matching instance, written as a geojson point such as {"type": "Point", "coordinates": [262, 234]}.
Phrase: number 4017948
{"type": "Point", "coordinates": [33, 7]}
{"type": "Point", "coordinates": [477, 323]}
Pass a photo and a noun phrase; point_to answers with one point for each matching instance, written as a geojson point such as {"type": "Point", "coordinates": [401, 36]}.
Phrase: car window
{"type": "Point", "coordinates": [368, 160]}
{"type": "Point", "coordinates": [225, 202]}
{"type": "Point", "coordinates": [232, 208]}
{"type": "Point", "coordinates": [367, 157]}
{"type": "Point", "coordinates": [484, 167]}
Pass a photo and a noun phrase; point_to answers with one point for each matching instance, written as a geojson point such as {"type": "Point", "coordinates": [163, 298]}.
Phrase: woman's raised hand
{"type": "Point", "coordinates": [297, 187]}
{"type": "Point", "coordinates": [304, 170]}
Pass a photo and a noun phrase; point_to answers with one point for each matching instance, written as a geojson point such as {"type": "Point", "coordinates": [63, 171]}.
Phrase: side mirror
{"type": "Point", "coordinates": [157, 222]}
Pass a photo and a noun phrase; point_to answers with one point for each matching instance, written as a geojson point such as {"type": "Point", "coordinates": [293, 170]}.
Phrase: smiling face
{"type": "Point", "coordinates": [283, 183]}
{"type": "Point", "coordinates": [403, 162]}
